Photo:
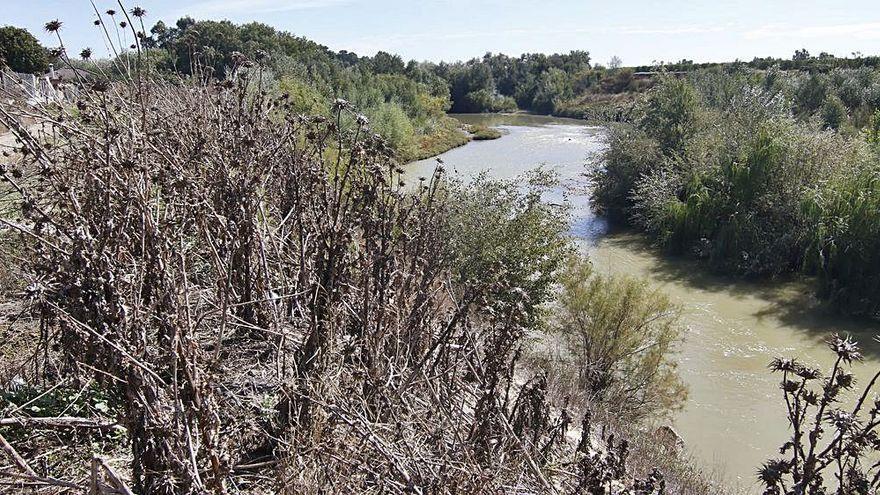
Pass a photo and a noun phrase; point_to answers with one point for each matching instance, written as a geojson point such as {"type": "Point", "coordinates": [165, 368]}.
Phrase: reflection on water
{"type": "Point", "coordinates": [734, 417]}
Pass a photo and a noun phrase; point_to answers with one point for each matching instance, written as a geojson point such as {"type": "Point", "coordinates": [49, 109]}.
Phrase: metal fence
{"type": "Point", "coordinates": [35, 89]}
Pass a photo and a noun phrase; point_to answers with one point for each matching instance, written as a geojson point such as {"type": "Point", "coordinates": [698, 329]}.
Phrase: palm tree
{"type": "Point", "coordinates": [85, 54]}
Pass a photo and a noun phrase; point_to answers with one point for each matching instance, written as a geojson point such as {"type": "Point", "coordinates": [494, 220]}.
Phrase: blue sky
{"type": "Point", "coordinates": [638, 31]}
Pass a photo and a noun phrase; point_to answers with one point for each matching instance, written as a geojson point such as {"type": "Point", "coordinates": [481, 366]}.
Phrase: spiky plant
{"type": "Point", "coordinates": [139, 13]}
{"type": "Point", "coordinates": [53, 26]}
{"type": "Point", "coordinates": [827, 440]}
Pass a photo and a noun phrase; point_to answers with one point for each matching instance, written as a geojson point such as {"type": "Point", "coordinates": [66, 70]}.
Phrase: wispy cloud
{"type": "Point", "coordinates": [675, 30]}
{"type": "Point", "coordinates": [225, 7]}
{"type": "Point", "coordinates": [369, 44]}
{"type": "Point", "coordinates": [860, 31]}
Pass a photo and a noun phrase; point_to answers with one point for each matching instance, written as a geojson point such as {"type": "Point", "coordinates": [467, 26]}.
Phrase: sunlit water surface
{"type": "Point", "coordinates": [734, 418]}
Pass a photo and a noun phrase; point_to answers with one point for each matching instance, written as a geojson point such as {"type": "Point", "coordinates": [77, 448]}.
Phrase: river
{"type": "Point", "coordinates": [734, 417]}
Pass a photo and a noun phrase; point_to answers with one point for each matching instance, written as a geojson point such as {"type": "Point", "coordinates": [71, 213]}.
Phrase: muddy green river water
{"type": "Point", "coordinates": [734, 417]}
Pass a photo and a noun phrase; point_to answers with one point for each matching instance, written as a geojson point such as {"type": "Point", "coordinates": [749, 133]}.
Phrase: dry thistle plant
{"type": "Point", "coordinates": [830, 445]}
{"type": "Point", "coordinates": [266, 307]}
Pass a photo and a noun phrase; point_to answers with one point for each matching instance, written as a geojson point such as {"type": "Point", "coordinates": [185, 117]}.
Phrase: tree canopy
{"type": "Point", "coordinates": [21, 51]}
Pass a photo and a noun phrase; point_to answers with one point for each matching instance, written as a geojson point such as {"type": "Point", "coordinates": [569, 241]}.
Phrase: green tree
{"type": "Point", "coordinates": [21, 51]}
{"type": "Point", "coordinates": [385, 63]}
{"type": "Point", "coordinates": [554, 86]}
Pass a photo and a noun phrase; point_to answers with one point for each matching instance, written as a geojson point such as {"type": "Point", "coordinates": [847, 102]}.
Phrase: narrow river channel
{"type": "Point", "coordinates": [734, 418]}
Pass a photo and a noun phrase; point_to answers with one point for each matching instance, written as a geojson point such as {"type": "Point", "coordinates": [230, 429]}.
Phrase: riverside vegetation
{"type": "Point", "coordinates": [218, 280]}
{"type": "Point", "coordinates": [760, 174]}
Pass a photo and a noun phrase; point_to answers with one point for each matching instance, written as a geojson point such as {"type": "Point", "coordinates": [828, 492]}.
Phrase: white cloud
{"type": "Point", "coordinates": [861, 31]}
{"type": "Point", "coordinates": [396, 42]}
{"type": "Point", "coordinates": [220, 7]}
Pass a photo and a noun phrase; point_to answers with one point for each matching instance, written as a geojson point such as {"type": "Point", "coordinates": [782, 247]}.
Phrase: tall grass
{"type": "Point", "coordinates": [844, 249]}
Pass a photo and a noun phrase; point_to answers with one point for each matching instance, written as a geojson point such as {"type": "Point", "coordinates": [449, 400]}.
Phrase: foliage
{"type": "Point", "coordinates": [670, 114]}
{"type": "Point", "coordinates": [720, 166]}
{"type": "Point", "coordinates": [533, 82]}
{"type": "Point", "coordinates": [844, 250]}
{"type": "Point", "coordinates": [508, 241]}
{"type": "Point", "coordinates": [446, 135]}
{"type": "Point", "coordinates": [811, 93]}
{"type": "Point", "coordinates": [392, 123]}
{"type": "Point", "coordinates": [407, 103]}
{"type": "Point", "coordinates": [831, 447]}
{"type": "Point", "coordinates": [21, 51]}
{"type": "Point", "coordinates": [630, 153]}
{"type": "Point", "coordinates": [621, 335]}
{"type": "Point", "coordinates": [483, 100]}
{"type": "Point", "coordinates": [303, 98]}
{"type": "Point", "coordinates": [833, 113]}
{"type": "Point", "coordinates": [872, 132]}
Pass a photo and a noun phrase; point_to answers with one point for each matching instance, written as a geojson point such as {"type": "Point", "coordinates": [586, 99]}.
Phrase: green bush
{"type": "Point", "coordinates": [845, 247]}
{"type": "Point", "coordinates": [722, 169]}
{"type": "Point", "coordinates": [483, 133]}
{"type": "Point", "coordinates": [304, 98]}
{"type": "Point", "coordinates": [872, 133]}
{"type": "Point", "coordinates": [484, 101]}
{"type": "Point", "coordinates": [392, 123]}
{"type": "Point", "coordinates": [621, 335]}
{"type": "Point", "coordinates": [833, 113]}
{"type": "Point", "coordinates": [629, 154]}
{"type": "Point", "coordinates": [505, 238]}
{"type": "Point", "coordinates": [671, 114]}
{"type": "Point", "coordinates": [811, 93]}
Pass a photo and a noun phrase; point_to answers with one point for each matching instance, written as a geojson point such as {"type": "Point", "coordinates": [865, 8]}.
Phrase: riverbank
{"type": "Point", "coordinates": [599, 108]}
{"type": "Point", "coordinates": [450, 135]}
{"type": "Point", "coordinates": [590, 108]}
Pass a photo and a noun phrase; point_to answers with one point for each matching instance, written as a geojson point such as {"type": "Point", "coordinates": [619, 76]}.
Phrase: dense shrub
{"type": "Point", "coordinates": [508, 240]}
{"type": "Point", "coordinates": [833, 113]}
{"type": "Point", "coordinates": [845, 246]}
{"type": "Point", "coordinates": [484, 101]}
{"type": "Point", "coordinates": [621, 335]}
{"type": "Point", "coordinates": [630, 154]}
{"type": "Point", "coordinates": [721, 169]}
{"type": "Point", "coordinates": [392, 123]}
{"type": "Point", "coordinates": [257, 292]}
{"type": "Point", "coordinates": [671, 115]}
